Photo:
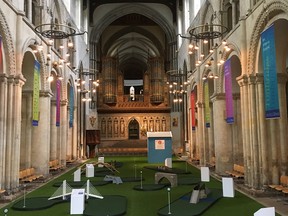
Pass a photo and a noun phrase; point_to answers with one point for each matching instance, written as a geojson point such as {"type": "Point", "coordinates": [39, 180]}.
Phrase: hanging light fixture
{"type": "Point", "coordinates": [87, 83]}
{"type": "Point", "coordinates": [54, 30]}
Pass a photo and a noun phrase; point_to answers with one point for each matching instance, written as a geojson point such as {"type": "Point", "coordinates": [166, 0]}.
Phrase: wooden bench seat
{"type": "Point", "coordinates": [237, 172]}
{"type": "Point", "coordinates": [28, 175]}
{"type": "Point", "coordinates": [54, 165]}
{"type": "Point", "coordinates": [282, 186]}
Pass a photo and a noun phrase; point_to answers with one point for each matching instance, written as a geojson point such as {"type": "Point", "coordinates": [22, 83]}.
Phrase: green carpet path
{"type": "Point", "coordinates": [142, 203]}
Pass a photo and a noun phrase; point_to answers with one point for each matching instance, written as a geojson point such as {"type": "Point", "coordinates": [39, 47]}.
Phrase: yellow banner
{"type": "Point", "coordinates": [36, 89]}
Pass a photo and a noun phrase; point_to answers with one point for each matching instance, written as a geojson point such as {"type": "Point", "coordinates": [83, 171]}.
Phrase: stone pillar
{"type": "Point", "coordinates": [264, 150]}
{"type": "Point", "coordinates": [64, 131]}
{"type": "Point", "coordinates": [222, 136]}
{"type": "Point", "coordinates": [26, 130]}
{"type": "Point", "coordinates": [18, 83]}
{"type": "Point", "coordinates": [243, 82]}
{"type": "Point", "coordinates": [274, 150]}
{"type": "Point", "coordinates": [9, 134]}
{"type": "Point", "coordinates": [53, 131]}
{"type": "Point", "coordinates": [75, 142]}
{"type": "Point", "coordinates": [41, 136]}
{"type": "Point", "coordinates": [282, 79]}
{"type": "Point", "coordinates": [29, 10]}
{"type": "Point", "coordinates": [234, 12]}
{"type": "Point", "coordinates": [254, 142]}
{"type": "Point", "coordinates": [200, 129]}
{"type": "Point", "coordinates": [3, 112]}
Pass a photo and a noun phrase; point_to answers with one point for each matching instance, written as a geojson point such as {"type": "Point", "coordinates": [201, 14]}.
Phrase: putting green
{"type": "Point", "coordinates": [183, 207]}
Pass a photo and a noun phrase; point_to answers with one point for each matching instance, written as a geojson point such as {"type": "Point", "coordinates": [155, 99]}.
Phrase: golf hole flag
{"type": "Point", "coordinates": [270, 73]}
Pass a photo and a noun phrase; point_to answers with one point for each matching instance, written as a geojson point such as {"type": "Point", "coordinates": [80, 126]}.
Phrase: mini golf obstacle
{"type": "Point", "coordinates": [193, 203]}
{"type": "Point", "coordinates": [65, 189]}
{"type": "Point", "coordinates": [172, 178]}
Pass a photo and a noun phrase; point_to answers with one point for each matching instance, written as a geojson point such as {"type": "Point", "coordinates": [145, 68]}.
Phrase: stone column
{"type": "Point", "coordinates": [3, 113]}
{"type": "Point", "coordinates": [243, 82]}
{"type": "Point", "coordinates": [264, 151]}
{"type": "Point", "coordinates": [222, 136]}
{"type": "Point", "coordinates": [29, 10]}
{"type": "Point", "coordinates": [254, 125]}
{"type": "Point", "coordinates": [282, 79]}
{"type": "Point", "coordinates": [53, 131]}
{"type": "Point", "coordinates": [234, 21]}
{"type": "Point", "coordinates": [9, 134]}
{"type": "Point", "coordinates": [200, 131]}
{"type": "Point", "coordinates": [75, 142]}
{"type": "Point", "coordinates": [63, 133]}
{"type": "Point", "coordinates": [26, 133]}
{"type": "Point", "coordinates": [41, 136]}
{"type": "Point", "coordinates": [253, 142]}
{"type": "Point", "coordinates": [18, 83]}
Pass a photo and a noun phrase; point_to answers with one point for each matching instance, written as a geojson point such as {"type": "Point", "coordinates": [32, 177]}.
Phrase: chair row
{"type": "Point", "coordinates": [28, 175]}
{"type": "Point", "coordinates": [282, 186]}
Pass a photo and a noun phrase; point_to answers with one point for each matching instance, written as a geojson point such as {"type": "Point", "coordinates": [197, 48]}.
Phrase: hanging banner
{"type": "Point", "coordinates": [192, 104]}
{"type": "Point", "coordinates": [36, 87]}
{"type": "Point", "coordinates": [58, 94]}
{"type": "Point", "coordinates": [270, 73]}
{"type": "Point", "coordinates": [207, 106]}
{"type": "Point", "coordinates": [228, 92]}
{"type": "Point", "coordinates": [1, 57]}
{"type": "Point", "coordinates": [71, 105]}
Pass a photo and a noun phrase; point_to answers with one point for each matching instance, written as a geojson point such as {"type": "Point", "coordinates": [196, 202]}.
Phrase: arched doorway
{"type": "Point", "coordinates": [133, 129]}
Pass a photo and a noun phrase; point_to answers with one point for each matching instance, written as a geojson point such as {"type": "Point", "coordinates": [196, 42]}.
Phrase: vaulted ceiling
{"type": "Point", "coordinates": [133, 37]}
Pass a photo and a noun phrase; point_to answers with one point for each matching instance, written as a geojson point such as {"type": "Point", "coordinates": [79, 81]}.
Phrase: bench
{"type": "Point", "coordinates": [212, 162]}
{"type": "Point", "coordinates": [283, 184]}
{"type": "Point", "coordinates": [69, 159]}
{"type": "Point", "coordinates": [2, 191]}
{"type": "Point", "coordinates": [28, 175]}
{"type": "Point", "coordinates": [54, 165]}
{"type": "Point", "coordinates": [237, 172]}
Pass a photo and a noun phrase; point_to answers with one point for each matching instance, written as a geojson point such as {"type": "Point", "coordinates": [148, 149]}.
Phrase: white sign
{"type": "Point", "coordinates": [270, 211]}
{"type": "Point", "coordinates": [228, 187]}
{"type": "Point", "coordinates": [160, 144]}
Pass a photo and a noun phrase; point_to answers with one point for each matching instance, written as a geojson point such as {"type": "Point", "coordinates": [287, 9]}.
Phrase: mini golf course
{"type": "Point", "coordinates": [138, 195]}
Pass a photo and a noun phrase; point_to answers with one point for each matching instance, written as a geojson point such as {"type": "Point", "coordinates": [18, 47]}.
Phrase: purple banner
{"type": "Point", "coordinates": [228, 92]}
{"type": "Point", "coordinates": [58, 93]}
{"type": "Point", "coordinates": [71, 105]}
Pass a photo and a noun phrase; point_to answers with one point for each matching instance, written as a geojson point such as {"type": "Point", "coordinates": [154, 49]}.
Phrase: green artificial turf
{"type": "Point", "coordinates": [143, 203]}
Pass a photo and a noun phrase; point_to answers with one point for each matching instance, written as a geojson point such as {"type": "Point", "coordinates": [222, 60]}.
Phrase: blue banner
{"type": "Point", "coordinates": [270, 73]}
{"type": "Point", "coordinates": [36, 90]}
{"type": "Point", "coordinates": [71, 105]}
{"type": "Point", "coordinates": [228, 92]}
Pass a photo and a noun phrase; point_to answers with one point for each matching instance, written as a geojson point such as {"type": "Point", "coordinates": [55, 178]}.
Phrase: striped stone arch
{"type": "Point", "coordinates": [234, 50]}
{"type": "Point", "coordinates": [272, 9]}
{"type": "Point", "coordinates": [8, 45]}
